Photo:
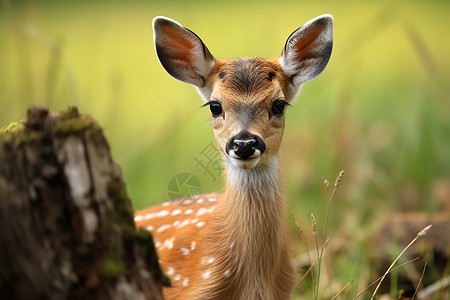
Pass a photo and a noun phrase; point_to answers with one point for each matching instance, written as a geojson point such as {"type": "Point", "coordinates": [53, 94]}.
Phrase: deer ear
{"type": "Point", "coordinates": [181, 52]}
{"type": "Point", "coordinates": [308, 50]}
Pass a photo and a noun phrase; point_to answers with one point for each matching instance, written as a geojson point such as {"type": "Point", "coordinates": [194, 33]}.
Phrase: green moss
{"type": "Point", "coordinates": [145, 239]}
{"type": "Point", "coordinates": [112, 266]}
{"type": "Point", "coordinates": [18, 134]}
{"type": "Point", "coordinates": [13, 127]}
{"type": "Point", "coordinates": [122, 203]}
{"type": "Point", "coordinates": [7, 132]}
{"type": "Point", "coordinates": [72, 124]}
{"type": "Point", "coordinates": [28, 137]}
{"type": "Point", "coordinates": [71, 113]}
{"type": "Point", "coordinates": [124, 213]}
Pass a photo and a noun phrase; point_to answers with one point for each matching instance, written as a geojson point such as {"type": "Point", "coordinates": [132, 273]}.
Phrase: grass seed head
{"type": "Point", "coordinates": [339, 178]}
{"type": "Point", "coordinates": [314, 224]}
{"type": "Point", "coordinates": [326, 183]}
{"type": "Point", "coordinates": [424, 231]}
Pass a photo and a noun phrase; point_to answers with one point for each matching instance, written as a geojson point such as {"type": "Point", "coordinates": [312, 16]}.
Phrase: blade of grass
{"type": "Point", "coordinates": [330, 198]}
{"type": "Point", "coordinates": [421, 233]}
{"type": "Point", "coordinates": [420, 281]}
{"type": "Point", "coordinates": [343, 289]}
{"type": "Point", "coordinates": [307, 272]}
{"type": "Point", "coordinates": [311, 265]}
{"type": "Point", "coordinates": [307, 251]}
{"type": "Point", "coordinates": [316, 240]}
{"type": "Point", "coordinates": [379, 278]}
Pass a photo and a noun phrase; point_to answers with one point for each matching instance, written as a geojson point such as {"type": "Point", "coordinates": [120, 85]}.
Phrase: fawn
{"type": "Point", "coordinates": [235, 245]}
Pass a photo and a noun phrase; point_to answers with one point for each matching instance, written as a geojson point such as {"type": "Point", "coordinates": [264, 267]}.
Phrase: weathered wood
{"type": "Point", "coordinates": [66, 222]}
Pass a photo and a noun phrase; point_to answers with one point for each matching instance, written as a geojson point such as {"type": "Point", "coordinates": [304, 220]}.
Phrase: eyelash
{"type": "Point", "coordinates": [215, 107]}
{"type": "Point", "coordinates": [278, 107]}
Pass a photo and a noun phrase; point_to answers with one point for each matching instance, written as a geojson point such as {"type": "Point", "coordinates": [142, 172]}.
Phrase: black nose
{"type": "Point", "coordinates": [244, 148]}
{"type": "Point", "coordinates": [244, 144]}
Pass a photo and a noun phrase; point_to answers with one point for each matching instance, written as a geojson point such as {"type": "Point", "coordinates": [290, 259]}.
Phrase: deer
{"type": "Point", "coordinates": [235, 245]}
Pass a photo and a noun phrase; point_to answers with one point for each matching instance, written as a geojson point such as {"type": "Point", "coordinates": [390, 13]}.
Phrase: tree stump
{"type": "Point", "coordinates": [66, 223]}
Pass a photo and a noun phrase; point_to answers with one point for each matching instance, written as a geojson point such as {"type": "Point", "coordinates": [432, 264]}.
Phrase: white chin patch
{"type": "Point", "coordinates": [248, 163]}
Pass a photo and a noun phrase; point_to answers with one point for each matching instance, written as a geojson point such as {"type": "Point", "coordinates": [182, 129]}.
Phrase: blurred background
{"type": "Point", "coordinates": [380, 111]}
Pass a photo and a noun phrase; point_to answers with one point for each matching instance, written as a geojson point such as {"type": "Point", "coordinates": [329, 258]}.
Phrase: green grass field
{"type": "Point", "coordinates": [380, 111]}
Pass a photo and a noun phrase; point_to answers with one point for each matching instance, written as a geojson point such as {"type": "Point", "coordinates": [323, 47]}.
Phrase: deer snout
{"type": "Point", "coordinates": [245, 145]}
{"type": "Point", "coordinates": [244, 148]}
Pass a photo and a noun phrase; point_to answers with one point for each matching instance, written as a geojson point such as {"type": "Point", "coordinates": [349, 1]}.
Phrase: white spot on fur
{"type": "Point", "coordinates": [170, 271]}
{"type": "Point", "coordinates": [192, 246]}
{"type": "Point", "coordinates": [232, 245]}
{"type": "Point", "coordinates": [185, 282]}
{"type": "Point", "coordinates": [206, 275]}
{"type": "Point", "coordinates": [138, 218]}
{"type": "Point", "coordinates": [176, 212]}
{"type": "Point", "coordinates": [188, 201]}
{"type": "Point", "coordinates": [176, 223]}
{"type": "Point", "coordinates": [188, 211]}
{"type": "Point", "coordinates": [227, 273]}
{"type": "Point", "coordinates": [150, 228]}
{"type": "Point", "coordinates": [185, 251]}
{"type": "Point", "coordinates": [163, 227]}
{"type": "Point", "coordinates": [200, 201]}
{"type": "Point", "coordinates": [201, 211]}
{"type": "Point", "coordinates": [165, 204]}
{"type": "Point", "coordinates": [200, 224]}
{"type": "Point", "coordinates": [184, 223]}
{"type": "Point", "coordinates": [162, 213]}
{"type": "Point", "coordinates": [157, 244]}
{"type": "Point", "coordinates": [149, 216]}
{"type": "Point", "coordinates": [168, 243]}
{"type": "Point", "coordinates": [194, 221]}
{"type": "Point", "coordinates": [177, 277]}
{"type": "Point", "coordinates": [210, 261]}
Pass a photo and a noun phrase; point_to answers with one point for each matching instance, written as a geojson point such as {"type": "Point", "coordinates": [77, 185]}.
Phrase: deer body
{"type": "Point", "coordinates": [235, 245]}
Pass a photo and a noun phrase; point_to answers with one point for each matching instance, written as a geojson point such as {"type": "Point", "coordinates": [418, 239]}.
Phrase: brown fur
{"type": "Point", "coordinates": [235, 246]}
{"type": "Point", "coordinates": [250, 215]}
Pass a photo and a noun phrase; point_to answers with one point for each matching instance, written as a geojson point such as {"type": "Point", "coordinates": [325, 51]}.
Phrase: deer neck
{"type": "Point", "coordinates": [248, 235]}
{"type": "Point", "coordinates": [251, 215]}
{"type": "Point", "coordinates": [254, 193]}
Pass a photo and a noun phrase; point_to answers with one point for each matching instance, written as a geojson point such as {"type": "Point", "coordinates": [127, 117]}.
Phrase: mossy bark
{"type": "Point", "coordinates": [66, 222]}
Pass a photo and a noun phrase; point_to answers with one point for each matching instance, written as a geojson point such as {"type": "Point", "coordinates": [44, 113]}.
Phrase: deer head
{"type": "Point", "coordinates": [247, 97]}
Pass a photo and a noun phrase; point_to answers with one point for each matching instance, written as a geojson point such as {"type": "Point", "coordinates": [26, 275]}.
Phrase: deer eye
{"type": "Point", "coordinates": [278, 107]}
{"type": "Point", "coordinates": [215, 107]}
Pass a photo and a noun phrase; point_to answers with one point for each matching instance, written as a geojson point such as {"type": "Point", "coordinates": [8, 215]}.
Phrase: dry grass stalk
{"type": "Point", "coordinates": [343, 289]}
{"type": "Point", "coordinates": [379, 278]}
{"type": "Point", "coordinates": [420, 281]}
{"type": "Point", "coordinates": [314, 225]}
{"type": "Point", "coordinates": [421, 233]}
{"type": "Point", "coordinates": [307, 252]}
{"type": "Point", "coordinates": [330, 198]}
{"type": "Point", "coordinates": [310, 269]}
{"type": "Point", "coordinates": [307, 272]}
{"type": "Point", "coordinates": [325, 241]}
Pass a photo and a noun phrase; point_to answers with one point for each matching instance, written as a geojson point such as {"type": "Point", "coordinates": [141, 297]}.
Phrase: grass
{"type": "Point", "coordinates": [379, 111]}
